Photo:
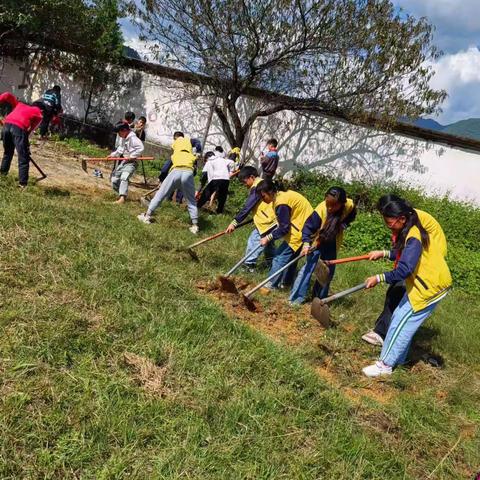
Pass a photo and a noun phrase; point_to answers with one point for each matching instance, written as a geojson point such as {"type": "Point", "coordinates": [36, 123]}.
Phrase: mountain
{"type": "Point", "coordinates": [428, 123]}
{"type": "Point", "coordinates": [469, 128]}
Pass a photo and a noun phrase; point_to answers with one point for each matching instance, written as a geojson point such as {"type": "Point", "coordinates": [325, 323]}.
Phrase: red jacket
{"type": "Point", "coordinates": [23, 116]}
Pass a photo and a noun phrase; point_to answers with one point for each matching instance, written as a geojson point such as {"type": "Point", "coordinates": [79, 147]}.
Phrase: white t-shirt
{"type": "Point", "coordinates": [218, 168]}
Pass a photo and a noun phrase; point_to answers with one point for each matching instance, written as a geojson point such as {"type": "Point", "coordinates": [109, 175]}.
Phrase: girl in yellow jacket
{"type": "Point", "coordinates": [421, 248]}
{"type": "Point", "coordinates": [291, 210]}
{"type": "Point", "coordinates": [325, 226]}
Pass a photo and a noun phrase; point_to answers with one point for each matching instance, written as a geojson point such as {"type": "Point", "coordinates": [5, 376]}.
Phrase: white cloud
{"type": "Point", "coordinates": [459, 75]}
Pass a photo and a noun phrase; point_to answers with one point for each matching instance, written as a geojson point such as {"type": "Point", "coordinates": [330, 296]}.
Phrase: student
{"type": "Point", "coordinates": [291, 210]}
{"type": "Point", "coordinates": [52, 100]}
{"type": "Point", "coordinates": [17, 126]}
{"type": "Point", "coordinates": [180, 177]}
{"type": "Point", "coordinates": [422, 248]}
{"type": "Point", "coordinates": [263, 218]}
{"type": "Point", "coordinates": [130, 147]}
{"type": "Point", "coordinates": [327, 222]}
{"type": "Point", "coordinates": [269, 159]}
{"type": "Point", "coordinates": [139, 128]}
{"type": "Point", "coordinates": [218, 170]}
{"type": "Point", "coordinates": [394, 295]}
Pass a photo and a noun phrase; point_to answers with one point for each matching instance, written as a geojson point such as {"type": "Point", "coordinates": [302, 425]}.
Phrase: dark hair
{"type": "Point", "coordinates": [267, 186]}
{"type": "Point", "coordinates": [247, 172]}
{"type": "Point", "coordinates": [209, 154]}
{"type": "Point", "coordinates": [218, 148]}
{"type": "Point", "coordinates": [177, 134]}
{"type": "Point", "coordinates": [333, 223]}
{"type": "Point", "coordinates": [57, 88]}
{"type": "Point", "coordinates": [129, 116]}
{"type": "Point", "coordinates": [395, 207]}
{"type": "Point", "coordinates": [273, 142]}
{"type": "Point", "coordinates": [143, 118]}
{"type": "Point", "coordinates": [121, 126]}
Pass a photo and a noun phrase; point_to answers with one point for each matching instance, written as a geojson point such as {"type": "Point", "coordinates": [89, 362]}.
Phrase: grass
{"type": "Point", "coordinates": [85, 289]}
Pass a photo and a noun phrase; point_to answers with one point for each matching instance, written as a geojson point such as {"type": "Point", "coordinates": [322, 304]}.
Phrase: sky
{"type": "Point", "coordinates": [457, 34]}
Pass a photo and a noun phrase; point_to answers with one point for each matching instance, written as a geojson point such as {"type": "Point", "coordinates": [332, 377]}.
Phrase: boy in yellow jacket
{"type": "Point", "coordinates": [180, 178]}
{"type": "Point", "coordinates": [263, 218]}
{"type": "Point", "coordinates": [291, 210]}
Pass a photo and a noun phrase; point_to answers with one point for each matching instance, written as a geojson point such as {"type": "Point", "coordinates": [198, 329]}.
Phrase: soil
{"type": "Point", "coordinates": [65, 174]}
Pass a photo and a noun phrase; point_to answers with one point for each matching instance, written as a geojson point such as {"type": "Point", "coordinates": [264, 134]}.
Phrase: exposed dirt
{"type": "Point", "coordinates": [150, 376]}
{"type": "Point", "coordinates": [295, 326]}
{"type": "Point", "coordinates": [65, 174]}
{"type": "Point", "coordinates": [279, 320]}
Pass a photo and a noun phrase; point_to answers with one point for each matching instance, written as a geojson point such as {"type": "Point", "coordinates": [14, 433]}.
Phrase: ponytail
{"type": "Point", "coordinates": [332, 225]}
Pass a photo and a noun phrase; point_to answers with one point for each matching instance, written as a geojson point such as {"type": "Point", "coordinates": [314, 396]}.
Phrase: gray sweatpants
{"type": "Point", "coordinates": [121, 175]}
{"type": "Point", "coordinates": [177, 180]}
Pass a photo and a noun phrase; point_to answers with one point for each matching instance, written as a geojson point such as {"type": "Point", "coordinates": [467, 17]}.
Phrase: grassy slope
{"type": "Point", "coordinates": [82, 283]}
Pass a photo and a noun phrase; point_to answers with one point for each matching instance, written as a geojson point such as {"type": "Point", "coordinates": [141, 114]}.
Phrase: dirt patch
{"type": "Point", "coordinates": [295, 326]}
{"type": "Point", "coordinates": [65, 174]}
{"type": "Point", "coordinates": [277, 319]}
{"type": "Point", "coordinates": [150, 376]}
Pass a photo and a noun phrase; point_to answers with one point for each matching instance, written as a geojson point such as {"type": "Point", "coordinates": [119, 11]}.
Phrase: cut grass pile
{"type": "Point", "coordinates": [114, 364]}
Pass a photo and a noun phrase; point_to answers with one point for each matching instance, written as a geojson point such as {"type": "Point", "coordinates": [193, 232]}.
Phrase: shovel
{"type": "Point", "coordinates": [320, 310]}
{"type": "Point", "coordinates": [247, 296]}
{"type": "Point", "coordinates": [322, 273]}
{"type": "Point", "coordinates": [109, 159]}
{"type": "Point", "coordinates": [42, 173]}
{"type": "Point", "coordinates": [227, 284]}
{"type": "Point", "coordinates": [190, 248]}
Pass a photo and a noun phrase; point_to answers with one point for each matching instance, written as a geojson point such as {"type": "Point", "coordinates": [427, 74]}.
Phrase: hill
{"type": "Point", "coordinates": [429, 124]}
{"type": "Point", "coordinates": [119, 358]}
{"type": "Point", "coordinates": [465, 128]}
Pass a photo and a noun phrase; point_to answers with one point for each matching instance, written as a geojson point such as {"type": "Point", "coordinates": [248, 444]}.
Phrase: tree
{"type": "Point", "coordinates": [77, 37]}
{"type": "Point", "coordinates": [360, 59]}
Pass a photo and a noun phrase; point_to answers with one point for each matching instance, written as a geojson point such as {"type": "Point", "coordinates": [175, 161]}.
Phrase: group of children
{"type": "Point", "coordinates": [419, 280]}
{"type": "Point", "coordinates": [420, 277]}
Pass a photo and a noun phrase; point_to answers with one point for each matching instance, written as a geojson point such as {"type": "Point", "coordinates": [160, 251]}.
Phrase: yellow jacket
{"type": "Point", "coordinates": [431, 278]}
{"type": "Point", "coordinates": [322, 213]}
{"type": "Point", "coordinates": [263, 213]}
{"type": "Point", "coordinates": [182, 157]}
{"type": "Point", "coordinates": [300, 210]}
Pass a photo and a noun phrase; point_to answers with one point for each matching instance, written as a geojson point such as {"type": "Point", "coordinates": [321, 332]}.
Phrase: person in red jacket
{"type": "Point", "coordinates": [17, 126]}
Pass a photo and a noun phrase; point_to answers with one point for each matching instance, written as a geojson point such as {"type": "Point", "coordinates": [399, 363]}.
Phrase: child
{"type": "Point", "coordinates": [421, 247]}
{"type": "Point", "coordinates": [269, 159]}
{"type": "Point", "coordinates": [218, 170]}
{"type": "Point", "coordinates": [394, 295]}
{"type": "Point", "coordinates": [328, 221]}
{"type": "Point", "coordinates": [263, 218]}
{"type": "Point", "coordinates": [17, 126]}
{"type": "Point", "coordinates": [139, 128]}
{"type": "Point", "coordinates": [131, 147]}
{"type": "Point", "coordinates": [291, 210]}
{"type": "Point", "coordinates": [180, 177]}
{"type": "Point", "coordinates": [52, 100]}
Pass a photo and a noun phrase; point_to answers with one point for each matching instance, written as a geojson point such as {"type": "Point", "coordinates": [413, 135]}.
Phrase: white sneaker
{"type": "Point", "coordinates": [373, 338]}
{"type": "Point", "coordinates": [377, 369]}
{"type": "Point", "coordinates": [143, 217]}
{"type": "Point", "coordinates": [194, 229]}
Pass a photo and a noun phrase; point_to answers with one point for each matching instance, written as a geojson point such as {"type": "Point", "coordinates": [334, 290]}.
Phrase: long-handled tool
{"type": "Point", "coordinates": [109, 159]}
{"type": "Point", "coordinates": [247, 300]}
{"type": "Point", "coordinates": [320, 310]}
{"type": "Point", "coordinates": [322, 273]}
{"type": "Point", "coordinates": [227, 284]}
{"type": "Point", "coordinates": [42, 173]}
{"type": "Point", "coordinates": [190, 248]}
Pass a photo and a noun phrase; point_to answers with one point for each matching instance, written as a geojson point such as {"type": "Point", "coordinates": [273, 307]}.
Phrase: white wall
{"type": "Point", "coordinates": [333, 147]}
